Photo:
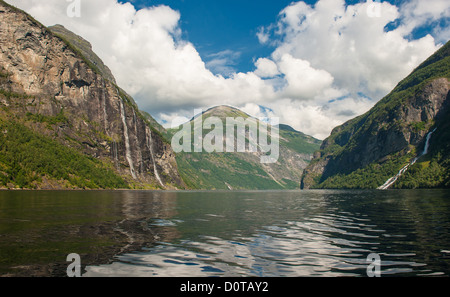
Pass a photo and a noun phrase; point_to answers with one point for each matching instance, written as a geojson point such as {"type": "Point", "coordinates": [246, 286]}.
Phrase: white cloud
{"type": "Point", "coordinates": [416, 13]}
{"type": "Point", "coordinates": [266, 68]}
{"type": "Point", "coordinates": [351, 45]}
{"type": "Point", "coordinates": [323, 52]}
{"type": "Point", "coordinates": [263, 35]}
{"type": "Point", "coordinates": [303, 81]}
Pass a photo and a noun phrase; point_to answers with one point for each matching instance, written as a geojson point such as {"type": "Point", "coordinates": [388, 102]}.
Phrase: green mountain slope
{"type": "Point", "coordinates": [368, 150]}
{"type": "Point", "coordinates": [243, 170]}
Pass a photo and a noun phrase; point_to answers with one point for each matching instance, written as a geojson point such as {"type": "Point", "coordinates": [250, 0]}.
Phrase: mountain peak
{"type": "Point", "coordinates": [224, 111]}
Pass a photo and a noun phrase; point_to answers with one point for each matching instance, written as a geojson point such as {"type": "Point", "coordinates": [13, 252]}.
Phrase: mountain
{"type": "Point", "coordinates": [64, 122]}
{"type": "Point", "coordinates": [244, 170]}
{"type": "Point", "coordinates": [405, 136]}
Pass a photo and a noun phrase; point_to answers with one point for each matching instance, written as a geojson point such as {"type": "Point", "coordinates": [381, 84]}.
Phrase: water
{"type": "Point", "coordinates": [274, 233]}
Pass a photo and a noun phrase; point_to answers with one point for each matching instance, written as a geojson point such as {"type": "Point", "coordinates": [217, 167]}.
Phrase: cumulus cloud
{"type": "Point", "coordinates": [325, 56]}
{"type": "Point", "coordinates": [351, 44]}
{"type": "Point", "coordinates": [266, 68]}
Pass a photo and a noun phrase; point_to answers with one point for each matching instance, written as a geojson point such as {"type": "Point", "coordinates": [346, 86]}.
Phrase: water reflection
{"type": "Point", "coordinates": [287, 233]}
{"type": "Point", "coordinates": [39, 229]}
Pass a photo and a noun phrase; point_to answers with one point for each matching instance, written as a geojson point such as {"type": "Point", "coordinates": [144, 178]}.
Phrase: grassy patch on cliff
{"type": "Point", "coordinates": [26, 158]}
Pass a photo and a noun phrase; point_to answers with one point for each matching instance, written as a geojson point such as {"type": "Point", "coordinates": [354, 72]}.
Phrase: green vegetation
{"type": "Point", "coordinates": [429, 174]}
{"type": "Point", "coordinates": [215, 171]}
{"type": "Point", "coordinates": [298, 141]}
{"type": "Point", "coordinates": [26, 158]}
{"type": "Point", "coordinates": [9, 94]}
{"type": "Point", "coordinates": [418, 126]}
{"type": "Point", "coordinates": [369, 177]}
{"type": "Point", "coordinates": [50, 120]}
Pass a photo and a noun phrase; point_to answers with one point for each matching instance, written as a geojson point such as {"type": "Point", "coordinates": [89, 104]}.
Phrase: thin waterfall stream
{"type": "Point", "coordinates": [150, 147]}
{"type": "Point", "coordinates": [127, 140]}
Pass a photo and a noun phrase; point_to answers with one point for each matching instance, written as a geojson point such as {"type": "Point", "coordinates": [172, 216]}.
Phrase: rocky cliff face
{"type": "Point", "coordinates": [395, 129]}
{"type": "Point", "coordinates": [51, 78]}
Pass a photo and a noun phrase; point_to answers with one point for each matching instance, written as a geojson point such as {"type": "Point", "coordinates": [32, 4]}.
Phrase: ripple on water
{"type": "Point", "coordinates": [313, 239]}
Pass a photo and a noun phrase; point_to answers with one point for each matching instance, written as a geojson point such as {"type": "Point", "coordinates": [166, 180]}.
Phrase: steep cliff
{"type": "Point", "coordinates": [366, 151]}
{"type": "Point", "coordinates": [49, 87]}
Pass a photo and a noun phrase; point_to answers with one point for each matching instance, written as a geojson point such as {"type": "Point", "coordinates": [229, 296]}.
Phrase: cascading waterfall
{"type": "Point", "coordinates": [127, 140]}
{"type": "Point", "coordinates": [150, 148]}
{"type": "Point", "coordinates": [393, 179]}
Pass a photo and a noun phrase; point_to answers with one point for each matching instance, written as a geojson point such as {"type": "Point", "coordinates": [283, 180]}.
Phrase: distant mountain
{"type": "Point", "coordinates": [64, 122]}
{"type": "Point", "coordinates": [244, 170]}
{"type": "Point", "coordinates": [390, 140]}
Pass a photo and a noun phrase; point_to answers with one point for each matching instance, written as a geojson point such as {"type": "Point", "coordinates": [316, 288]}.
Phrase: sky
{"type": "Point", "coordinates": [314, 64]}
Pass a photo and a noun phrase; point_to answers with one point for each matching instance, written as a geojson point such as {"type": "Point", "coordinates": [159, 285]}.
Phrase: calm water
{"type": "Point", "coordinates": [279, 233]}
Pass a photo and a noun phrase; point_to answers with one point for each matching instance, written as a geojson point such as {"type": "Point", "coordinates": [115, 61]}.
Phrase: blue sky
{"type": "Point", "coordinates": [228, 28]}
{"type": "Point", "coordinates": [217, 26]}
{"type": "Point", "coordinates": [312, 64]}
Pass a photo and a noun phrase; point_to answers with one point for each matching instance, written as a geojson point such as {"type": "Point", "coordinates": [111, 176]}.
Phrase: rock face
{"type": "Point", "coordinates": [102, 120]}
{"type": "Point", "coordinates": [395, 128]}
{"type": "Point", "coordinates": [85, 49]}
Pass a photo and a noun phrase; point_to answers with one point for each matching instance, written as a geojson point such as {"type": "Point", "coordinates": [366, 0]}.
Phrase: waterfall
{"type": "Point", "coordinates": [427, 143]}
{"type": "Point", "coordinates": [127, 140]}
{"type": "Point", "coordinates": [393, 179]}
{"type": "Point", "coordinates": [115, 154]}
{"type": "Point", "coordinates": [135, 121]}
{"type": "Point", "coordinates": [150, 148]}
